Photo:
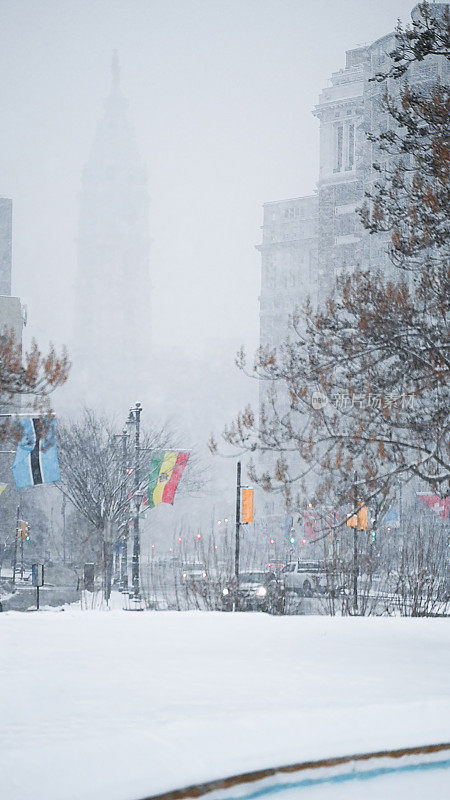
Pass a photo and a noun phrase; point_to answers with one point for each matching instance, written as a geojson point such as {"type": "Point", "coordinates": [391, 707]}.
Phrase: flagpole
{"type": "Point", "coordinates": [15, 547]}
{"type": "Point", "coordinates": [124, 549]}
{"type": "Point", "coordinates": [135, 415]}
{"type": "Point", "coordinates": [237, 536]}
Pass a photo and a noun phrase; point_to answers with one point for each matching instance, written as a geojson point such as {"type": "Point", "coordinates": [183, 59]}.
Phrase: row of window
{"type": "Point", "coordinates": [284, 281]}
{"type": "Point", "coordinates": [304, 229]}
{"type": "Point", "coordinates": [344, 146]}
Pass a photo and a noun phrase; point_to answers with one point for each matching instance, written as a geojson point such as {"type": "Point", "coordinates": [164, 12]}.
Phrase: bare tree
{"type": "Point", "coordinates": [27, 379]}
{"type": "Point", "coordinates": [422, 585]}
{"type": "Point", "coordinates": [97, 477]}
{"type": "Point", "coordinates": [377, 353]}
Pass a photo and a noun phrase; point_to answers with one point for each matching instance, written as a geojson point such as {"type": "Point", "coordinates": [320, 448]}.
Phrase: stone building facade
{"type": "Point", "coordinates": [308, 241]}
{"type": "Point", "coordinates": [11, 312]}
{"type": "Point", "coordinates": [5, 245]}
{"type": "Point", "coordinates": [340, 111]}
{"type": "Point", "coordinates": [289, 254]}
{"type": "Point", "coordinates": [347, 109]}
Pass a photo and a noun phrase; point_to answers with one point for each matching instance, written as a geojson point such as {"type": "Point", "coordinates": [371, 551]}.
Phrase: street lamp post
{"type": "Point", "coordinates": [134, 418]}
{"type": "Point", "coordinates": [15, 548]}
{"type": "Point", "coordinates": [355, 548]}
{"type": "Point", "coordinates": [124, 539]}
{"type": "Point", "coordinates": [63, 512]}
{"type": "Point", "coordinates": [237, 535]}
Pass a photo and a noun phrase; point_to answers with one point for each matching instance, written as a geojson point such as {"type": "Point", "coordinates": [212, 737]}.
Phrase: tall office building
{"type": "Point", "coordinates": [11, 314]}
{"type": "Point", "coordinates": [112, 326]}
{"type": "Point", "coordinates": [5, 245]}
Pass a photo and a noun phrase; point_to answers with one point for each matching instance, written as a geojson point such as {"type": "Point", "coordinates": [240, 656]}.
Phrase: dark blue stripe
{"type": "Point", "coordinates": [34, 455]}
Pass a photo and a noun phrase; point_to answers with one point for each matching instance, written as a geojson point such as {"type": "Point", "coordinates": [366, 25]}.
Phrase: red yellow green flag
{"type": "Point", "coordinates": [166, 470]}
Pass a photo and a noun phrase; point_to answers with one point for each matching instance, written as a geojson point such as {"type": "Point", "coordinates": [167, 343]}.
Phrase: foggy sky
{"type": "Point", "coordinates": [220, 95]}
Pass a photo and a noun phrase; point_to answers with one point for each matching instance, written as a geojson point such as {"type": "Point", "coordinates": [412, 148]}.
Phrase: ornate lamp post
{"type": "Point", "coordinates": [123, 437]}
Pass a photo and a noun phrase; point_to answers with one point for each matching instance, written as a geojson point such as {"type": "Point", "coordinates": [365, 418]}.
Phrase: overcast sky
{"type": "Point", "coordinates": [220, 94]}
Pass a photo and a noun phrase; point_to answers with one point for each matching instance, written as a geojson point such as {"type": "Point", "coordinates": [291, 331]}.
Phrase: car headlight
{"type": "Point", "coordinates": [184, 575]}
{"type": "Point", "coordinates": [261, 592]}
{"type": "Point", "coordinates": [225, 592]}
{"type": "Point", "coordinates": [203, 574]}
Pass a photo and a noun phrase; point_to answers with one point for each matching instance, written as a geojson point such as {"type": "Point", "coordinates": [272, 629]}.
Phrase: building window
{"type": "Point", "coordinates": [351, 146]}
{"type": "Point", "coordinates": [291, 212]}
{"type": "Point", "coordinates": [338, 137]}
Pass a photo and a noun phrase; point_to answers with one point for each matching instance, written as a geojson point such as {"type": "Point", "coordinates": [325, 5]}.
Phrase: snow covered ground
{"type": "Point", "coordinates": [120, 705]}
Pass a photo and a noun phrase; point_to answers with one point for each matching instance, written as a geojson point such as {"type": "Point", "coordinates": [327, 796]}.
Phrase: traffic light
{"type": "Point", "coordinates": [272, 541]}
{"type": "Point", "coordinates": [292, 538]}
{"type": "Point", "coordinates": [373, 536]}
{"type": "Point", "coordinates": [199, 536]}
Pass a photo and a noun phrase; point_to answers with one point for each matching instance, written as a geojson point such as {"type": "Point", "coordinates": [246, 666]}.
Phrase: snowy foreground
{"type": "Point", "coordinates": [122, 705]}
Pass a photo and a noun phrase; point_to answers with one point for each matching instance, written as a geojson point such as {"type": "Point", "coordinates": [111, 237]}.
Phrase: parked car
{"type": "Point", "coordinates": [193, 572]}
{"type": "Point", "coordinates": [305, 577]}
{"type": "Point", "coordinates": [258, 591]}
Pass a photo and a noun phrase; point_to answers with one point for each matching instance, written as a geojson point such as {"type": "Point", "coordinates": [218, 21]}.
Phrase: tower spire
{"type": "Point", "coordinates": [115, 72]}
{"type": "Point", "coordinates": [113, 287]}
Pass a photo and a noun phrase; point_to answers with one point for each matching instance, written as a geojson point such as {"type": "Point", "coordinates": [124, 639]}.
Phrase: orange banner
{"type": "Point", "coordinates": [358, 520]}
{"type": "Point", "coordinates": [362, 518]}
{"type": "Point", "coordinates": [247, 505]}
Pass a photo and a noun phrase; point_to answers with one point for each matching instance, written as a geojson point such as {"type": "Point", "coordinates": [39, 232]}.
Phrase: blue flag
{"type": "Point", "coordinates": [36, 458]}
{"type": "Point", "coordinates": [392, 518]}
{"type": "Point", "coordinates": [288, 523]}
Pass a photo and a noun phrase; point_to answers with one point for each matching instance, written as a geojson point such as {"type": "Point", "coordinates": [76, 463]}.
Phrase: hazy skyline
{"type": "Point", "coordinates": [220, 97]}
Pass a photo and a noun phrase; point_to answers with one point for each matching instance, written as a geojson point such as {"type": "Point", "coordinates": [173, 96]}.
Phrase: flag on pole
{"type": "Point", "coordinates": [440, 505]}
{"type": "Point", "coordinates": [3, 487]}
{"type": "Point", "coordinates": [165, 472]}
{"type": "Point", "coordinates": [36, 458]}
{"type": "Point", "coordinates": [391, 518]}
{"type": "Point", "coordinates": [310, 523]}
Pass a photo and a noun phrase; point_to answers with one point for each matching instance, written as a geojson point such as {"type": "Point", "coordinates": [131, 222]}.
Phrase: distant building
{"type": "Point", "coordinates": [347, 109]}
{"type": "Point", "coordinates": [289, 253]}
{"type": "Point", "coordinates": [5, 245]}
{"type": "Point", "coordinates": [112, 326]}
{"type": "Point", "coordinates": [343, 150]}
{"type": "Point", "coordinates": [308, 241]}
{"type": "Point", "coordinates": [11, 314]}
